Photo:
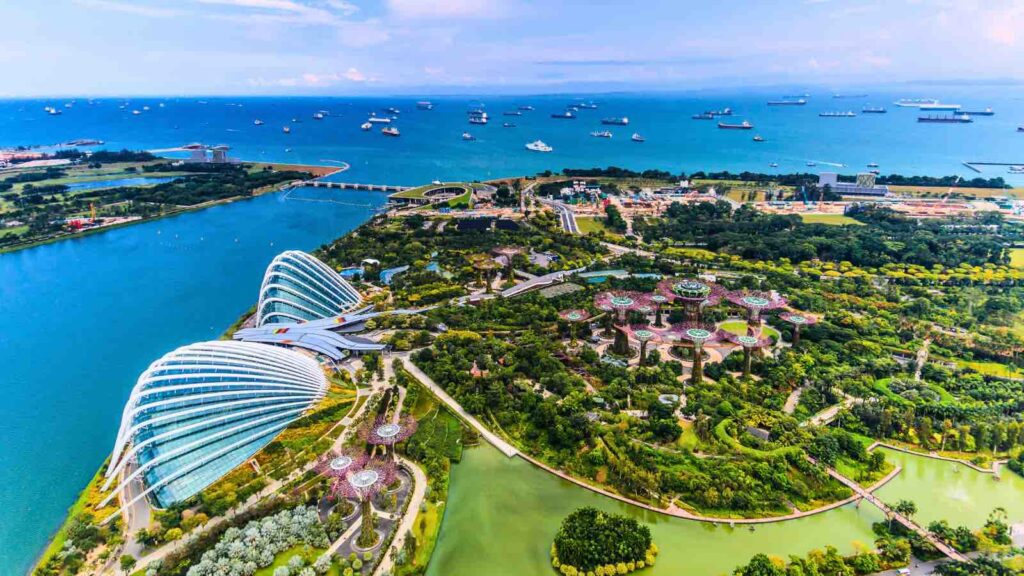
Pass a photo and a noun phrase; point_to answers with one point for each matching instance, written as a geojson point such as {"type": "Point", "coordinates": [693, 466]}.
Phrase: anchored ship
{"type": "Point", "coordinates": [624, 121]}
{"type": "Point", "coordinates": [745, 125]}
{"type": "Point", "coordinates": [539, 146]}
{"type": "Point", "coordinates": [948, 119]}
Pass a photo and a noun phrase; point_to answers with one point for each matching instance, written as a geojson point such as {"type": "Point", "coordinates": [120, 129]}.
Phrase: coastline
{"type": "Point", "coordinates": [326, 171]}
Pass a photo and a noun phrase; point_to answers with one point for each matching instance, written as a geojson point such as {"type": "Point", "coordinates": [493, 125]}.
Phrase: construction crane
{"type": "Point", "coordinates": [92, 213]}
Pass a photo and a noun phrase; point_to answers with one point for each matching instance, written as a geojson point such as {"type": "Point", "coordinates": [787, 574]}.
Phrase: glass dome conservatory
{"type": "Point", "coordinates": [297, 288]}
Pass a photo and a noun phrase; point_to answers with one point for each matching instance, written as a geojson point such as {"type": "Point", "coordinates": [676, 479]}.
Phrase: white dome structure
{"type": "Point", "coordinates": [297, 288]}
{"type": "Point", "coordinates": [203, 409]}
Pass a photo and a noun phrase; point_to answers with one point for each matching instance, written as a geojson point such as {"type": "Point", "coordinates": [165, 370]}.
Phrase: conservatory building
{"type": "Point", "coordinates": [203, 409]}
{"type": "Point", "coordinates": [297, 288]}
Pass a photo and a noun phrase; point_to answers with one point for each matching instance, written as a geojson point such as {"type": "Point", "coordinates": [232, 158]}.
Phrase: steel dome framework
{"type": "Point", "coordinates": [297, 288]}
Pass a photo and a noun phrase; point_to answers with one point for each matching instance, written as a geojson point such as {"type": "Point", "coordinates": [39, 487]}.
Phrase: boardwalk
{"type": "Point", "coordinates": [907, 522]}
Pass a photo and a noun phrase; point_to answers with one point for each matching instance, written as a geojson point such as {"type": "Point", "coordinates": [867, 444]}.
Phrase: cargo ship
{"type": "Point", "coordinates": [511, 113]}
{"type": "Point", "coordinates": [478, 117]}
{"type": "Point", "coordinates": [424, 105]}
{"type": "Point", "coordinates": [787, 102]}
{"type": "Point", "coordinates": [939, 107]}
{"type": "Point", "coordinates": [875, 110]}
{"type": "Point", "coordinates": [637, 137]}
{"type": "Point", "coordinates": [741, 126]}
{"type": "Point", "coordinates": [390, 131]}
{"type": "Point", "coordinates": [848, 114]}
{"type": "Point", "coordinates": [374, 119]}
{"type": "Point", "coordinates": [613, 121]}
{"type": "Point", "coordinates": [703, 116]}
{"type": "Point", "coordinates": [985, 112]}
{"type": "Point", "coordinates": [722, 112]}
{"type": "Point", "coordinates": [526, 108]}
{"type": "Point", "coordinates": [950, 119]}
{"type": "Point", "coordinates": [601, 134]}
{"type": "Point", "coordinates": [567, 115]}
{"type": "Point", "coordinates": [914, 102]}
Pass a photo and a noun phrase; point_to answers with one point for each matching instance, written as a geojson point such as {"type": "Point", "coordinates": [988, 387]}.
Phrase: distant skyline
{"type": "Point", "coordinates": [352, 47]}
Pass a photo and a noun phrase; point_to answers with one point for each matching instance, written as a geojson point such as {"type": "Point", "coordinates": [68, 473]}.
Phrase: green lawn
{"type": "Point", "coordinates": [307, 552]}
{"type": "Point", "coordinates": [991, 368]}
{"type": "Point", "coordinates": [740, 327]}
{"type": "Point", "coordinates": [420, 192]}
{"type": "Point", "coordinates": [593, 225]}
{"type": "Point", "coordinates": [832, 219]}
{"type": "Point", "coordinates": [13, 230]}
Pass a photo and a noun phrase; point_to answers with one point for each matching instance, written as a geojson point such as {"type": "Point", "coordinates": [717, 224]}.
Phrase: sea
{"type": "Point", "coordinates": [81, 318]}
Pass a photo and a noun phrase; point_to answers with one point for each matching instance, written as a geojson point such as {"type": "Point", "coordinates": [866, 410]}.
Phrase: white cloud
{"type": "Point", "coordinates": [312, 80]}
{"type": "Point", "coordinates": [425, 9]}
{"type": "Point", "coordinates": [355, 75]}
{"type": "Point", "coordinates": [131, 8]}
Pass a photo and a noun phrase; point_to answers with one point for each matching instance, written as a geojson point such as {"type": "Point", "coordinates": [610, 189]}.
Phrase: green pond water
{"type": "Point", "coordinates": [502, 515]}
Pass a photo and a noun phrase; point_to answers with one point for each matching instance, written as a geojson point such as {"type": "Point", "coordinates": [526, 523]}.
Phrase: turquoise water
{"type": "Point", "coordinates": [82, 318]}
{"type": "Point", "coordinates": [431, 146]}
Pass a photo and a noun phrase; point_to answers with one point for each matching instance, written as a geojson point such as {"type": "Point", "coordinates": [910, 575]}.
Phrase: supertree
{"type": "Point", "coordinates": [693, 294]}
{"type": "Point", "coordinates": [361, 485]}
{"type": "Point", "coordinates": [620, 302]}
{"type": "Point", "coordinates": [387, 434]}
{"type": "Point", "coordinates": [334, 465]}
{"type": "Point", "coordinates": [509, 252]}
{"type": "Point", "coordinates": [574, 317]}
{"type": "Point", "coordinates": [642, 334]}
{"type": "Point", "coordinates": [697, 334]}
{"type": "Point", "coordinates": [798, 320]}
{"type": "Point", "coordinates": [658, 300]}
{"type": "Point", "coordinates": [756, 303]}
{"type": "Point", "coordinates": [484, 266]}
{"type": "Point", "coordinates": [749, 344]}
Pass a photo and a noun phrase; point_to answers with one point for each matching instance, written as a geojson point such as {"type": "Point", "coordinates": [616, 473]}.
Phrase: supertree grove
{"type": "Point", "coordinates": [361, 484]}
{"type": "Point", "coordinates": [574, 317]}
{"type": "Point", "coordinates": [694, 295]}
{"type": "Point", "coordinates": [642, 334]}
{"type": "Point", "coordinates": [509, 252]}
{"type": "Point", "coordinates": [387, 434]}
{"type": "Point", "coordinates": [798, 320]}
{"type": "Point", "coordinates": [697, 334]}
{"type": "Point", "coordinates": [658, 300]}
{"type": "Point", "coordinates": [484, 266]}
{"type": "Point", "coordinates": [755, 303]}
{"type": "Point", "coordinates": [621, 302]}
{"type": "Point", "coordinates": [749, 344]}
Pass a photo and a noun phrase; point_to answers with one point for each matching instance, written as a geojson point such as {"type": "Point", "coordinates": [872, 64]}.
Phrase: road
{"type": "Point", "coordinates": [565, 214]}
{"type": "Point", "coordinates": [404, 527]}
{"type": "Point", "coordinates": [922, 358]}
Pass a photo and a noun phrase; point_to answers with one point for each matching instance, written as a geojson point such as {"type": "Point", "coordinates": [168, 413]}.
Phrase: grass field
{"type": "Point", "coordinates": [740, 327]}
{"type": "Point", "coordinates": [992, 369]}
{"type": "Point", "coordinates": [12, 230]}
{"type": "Point", "coordinates": [939, 191]}
{"type": "Point", "coordinates": [421, 192]}
{"type": "Point", "coordinates": [307, 552]}
{"type": "Point", "coordinates": [1017, 257]}
{"type": "Point", "coordinates": [833, 219]}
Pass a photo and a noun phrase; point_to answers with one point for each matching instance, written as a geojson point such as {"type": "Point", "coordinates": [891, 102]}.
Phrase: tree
{"type": "Point", "coordinates": [760, 565]}
{"type": "Point", "coordinates": [905, 508]}
{"type": "Point", "coordinates": [127, 563]}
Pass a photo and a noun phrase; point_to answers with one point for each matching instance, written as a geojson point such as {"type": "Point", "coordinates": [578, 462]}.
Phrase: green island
{"type": "Point", "coordinates": [711, 363]}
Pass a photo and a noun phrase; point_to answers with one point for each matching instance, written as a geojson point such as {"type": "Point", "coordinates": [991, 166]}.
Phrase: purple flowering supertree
{"type": "Point", "coordinates": [756, 303]}
{"type": "Point", "coordinates": [509, 252]}
{"type": "Point", "coordinates": [698, 335]}
{"type": "Point", "coordinates": [798, 320]}
{"type": "Point", "coordinates": [642, 334]}
{"type": "Point", "coordinates": [658, 301]}
{"type": "Point", "coordinates": [620, 302]}
{"type": "Point", "coordinates": [362, 484]}
{"type": "Point", "coordinates": [693, 294]}
{"type": "Point", "coordinates": [749, 344]}
{"type": "Point", "coordinates": [334, 465]}
{"type": "Point", "coordinates": [574, 317]}
{"type": "Point", "coordinates": [386, 433]}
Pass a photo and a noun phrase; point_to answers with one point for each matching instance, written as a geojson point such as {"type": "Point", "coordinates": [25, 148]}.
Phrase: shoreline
{"type": "Point", "coordinates": [181, 210]}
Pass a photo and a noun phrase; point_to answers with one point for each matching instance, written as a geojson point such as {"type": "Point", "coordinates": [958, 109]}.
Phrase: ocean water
{"type": "Point", "coordinates": [431, 146]}
{"type": "Point", "coordinates": [81, 319]}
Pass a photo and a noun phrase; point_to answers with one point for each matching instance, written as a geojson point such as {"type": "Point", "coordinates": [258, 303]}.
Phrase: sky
{"type": "Point", "coordinates": [343, 47]}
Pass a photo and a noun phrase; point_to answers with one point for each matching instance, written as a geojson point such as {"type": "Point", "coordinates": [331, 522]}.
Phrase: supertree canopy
{"type": "Point", "coordinates": [642, 334]}
{"type": "Point", "coordinates": [621, 302]}
{"type": "Point", "coordinates": [383, 432]}
{"type": "Point", "coordinates": [658, 300]}
{"type": "Point", "coordinates": [362, 484]}
{"type": "Point", "coordinates": [692, 294]}
{"type": "Point", "coordinates": [798, 320]}
{"type": "Point", "coordinates": [484, 266]}
{"type": "Point", "coordinates": [749, 344]}
{"type": "Point", "coordinates": [756, 303]}
{"type": "Point", "coordinates": [697, 334]}
{"type": "Point", "coordinates": [574, 317]}
{"type": "Point", "coordinates": [337, 464]}
{"type": "Point", "coordinates": [509, 252]}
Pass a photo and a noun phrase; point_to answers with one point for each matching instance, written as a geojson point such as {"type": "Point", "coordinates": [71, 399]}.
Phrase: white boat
{"type": "Point", "coordinates": [366, 126]}
{"type": "Point", "coordinates": [145, 108]}
{"type": "Point", "coordinates": [286, 130]}
{"type": "Point", "coordinates": [378, 119]}
{"type": "Point", "coordinates": [758, 138]}
{"type": "Point", "coordinates": [425, 105]}
{"type": "Point", "coordinates": [539, 146]}
{"type": "Point", "coordinates": [637, 137]}
{"type": "Point", "coordinates": [390, 131]}
{"type": "Point", "coordinates": [872, 165]}
{"type": "Point", "coordinates": [258, 122]}
{"type": "Point", "coordinates": [1016, 169]}
{"type": "Point", "coordinates": [136, 112]}
{"type": "Point", "coordinates": [773, 165]}
{"type": "Point", "coordinates": [478, 118]}
{"type": "Point", "coordinates": [601, 134]}
{"type": "Point", "coordinates": [318, 116]}
{"type": "Point", "coordinates": [468, 137]}
{"type": "Point", "coordinates": [914, 102]}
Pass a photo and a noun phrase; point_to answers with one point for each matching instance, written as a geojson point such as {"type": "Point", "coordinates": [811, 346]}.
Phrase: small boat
{"type": "Point", "coordinates": [985, 112]}
{"type": "Point", "coordinates": [539, 146]}
{"type": "Point", "coordinates": [507, 125]}
{"type": "Point", "coordinates": [950, 119]}
{"type": "Point", "coordinates": [480, 118]}
{"type": "Point", "coordinates": [745, 125]}
{"type": "Point", "coordinates": [424, 105]}
{"type": "Point", "coordinates": [1016, 169]}
{"type": "Point", "coordinates": [758, 138]}
{"type": "Point", "coordinates": [587, 105]}
{"type": "Point", "coordinates": [392, 110]}
{"type": "Point", "coordinates": [873, 110]}
{"type": "Point", "coordinates": [601, 134]}
{"type": "Point", "coordinates": [811, 164]}
{"type": "Point", "coordinates": [318, 116]}
{"type": "Point", "coordinates": [637, 137]}
{"type": "Point", "coordinates": [511, 113]}
{"type": "Point", "coordinates": [389, 131]}
{"type": "Point", "coordinates": [1020, 128]}
{"type": "Point", "coordinates": [136, 112]}
{"type": "Point", "coordinates": [296, 120]}
{"type": "Point", "coordinates": [773, 164]}
{"type": "Point", "coordinates": [703, 116]}
{"type": "Point", "coordinates": [624, 121]}
{"type": "Point", "coordinates": [144, 108]}
{"type": "Point", "coordinates": [847, 114]}
{"type": "Point", "coordinates": [287, 149]}
{"type": "Point", "coordinates": [366, 126]}
{"type": "Point", "coordinates": [258, 122]}
{"type": "Point", "coordinates": [468, 137]}
{"type": "Point", "coordinates": [286, 130]}
{"type": "Point", "coordinates": [872, 165]}
{"type": "Point", "coordinates": [567, 115]}
{"type": "Point", "coordinates": [526, 108]}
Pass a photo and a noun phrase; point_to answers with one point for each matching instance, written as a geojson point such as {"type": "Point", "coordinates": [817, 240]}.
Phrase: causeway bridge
{"type": "Point", "coordinates": [317, 183]}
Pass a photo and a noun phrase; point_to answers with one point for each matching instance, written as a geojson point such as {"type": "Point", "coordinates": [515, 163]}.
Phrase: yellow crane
{"type": "Point", "coordinates": [92, 213]}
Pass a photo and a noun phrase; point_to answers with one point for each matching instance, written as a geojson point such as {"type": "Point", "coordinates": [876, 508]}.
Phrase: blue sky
{"type": "Point", "coordinates": [128, 47]}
